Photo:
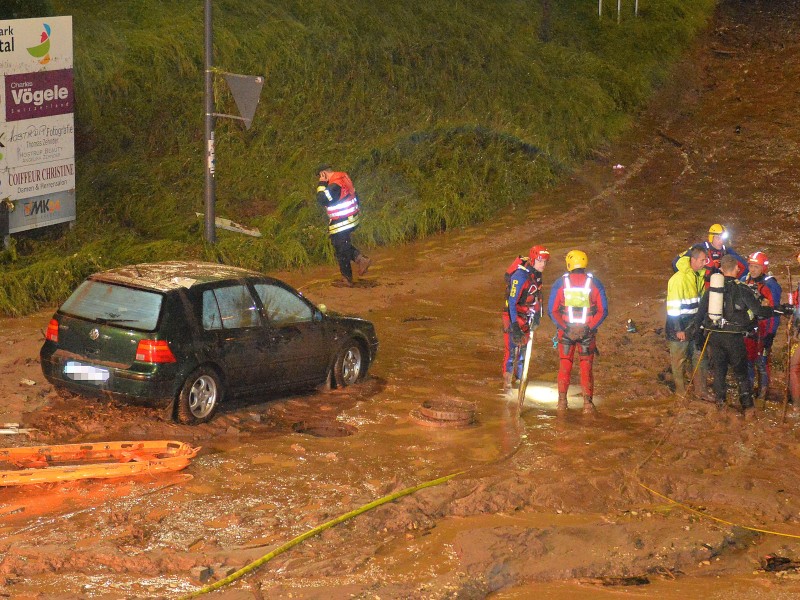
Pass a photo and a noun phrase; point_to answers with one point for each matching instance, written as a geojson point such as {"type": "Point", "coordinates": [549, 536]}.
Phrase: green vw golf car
{"type": "Point", "coordinates": [192, 334]}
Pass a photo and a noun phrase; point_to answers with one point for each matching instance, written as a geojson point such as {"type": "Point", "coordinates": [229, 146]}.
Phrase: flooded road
{"type": "Point", "coordinates": [544, 506]}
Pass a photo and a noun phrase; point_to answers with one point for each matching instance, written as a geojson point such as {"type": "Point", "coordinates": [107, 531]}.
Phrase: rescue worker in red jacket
{"type": "Point", "coordinates": [578, 306]}
{"type": "Point", "coordinates": [715, 249]}
{"type": "Point", "coordinates": [759, 342]}
{"type": "Point", "coordinates": [336, 193]}
{"type": "Point", "coordinates": [523, 307]}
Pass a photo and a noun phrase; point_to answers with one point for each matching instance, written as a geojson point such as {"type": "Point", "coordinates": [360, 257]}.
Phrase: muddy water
{"type": "Point", "coordinates": [546, 506]}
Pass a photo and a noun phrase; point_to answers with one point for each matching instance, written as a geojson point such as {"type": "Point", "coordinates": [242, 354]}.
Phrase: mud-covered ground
{"type": "Point", "coordinates": [545, 506]}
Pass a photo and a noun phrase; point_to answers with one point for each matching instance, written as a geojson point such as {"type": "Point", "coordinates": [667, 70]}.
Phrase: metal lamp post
{"type": "Point", "coordinates": [210, 187]}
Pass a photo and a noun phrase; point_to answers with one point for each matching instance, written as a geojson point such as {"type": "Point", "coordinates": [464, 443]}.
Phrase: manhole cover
{"type": "Point", "coordinates": [420, 419]}
{"type": "Point", "coordinates": [445, 411]}
{"type": "Point", "coordinates": [448, 409]}
{"type": "Point", "coordinates": [324, 429]}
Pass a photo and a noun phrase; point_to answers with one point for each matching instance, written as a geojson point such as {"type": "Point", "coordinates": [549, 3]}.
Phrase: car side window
{"type": "Point", "coordinates": [230, 307]}
{"type": "Point", "coordinates": [211, 317]}
{"type": "Point", "coordinates": [281, 306]}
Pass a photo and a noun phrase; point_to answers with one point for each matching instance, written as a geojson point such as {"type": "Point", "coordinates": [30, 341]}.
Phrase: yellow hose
{"type": "Point", "coordinates": [311, 533]}
{"type": "Point", "coordinates": [713, 518]}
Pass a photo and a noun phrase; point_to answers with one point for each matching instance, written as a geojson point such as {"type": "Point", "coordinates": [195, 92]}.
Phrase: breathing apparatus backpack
{"type": "Point", "coordinates": [515, 264]}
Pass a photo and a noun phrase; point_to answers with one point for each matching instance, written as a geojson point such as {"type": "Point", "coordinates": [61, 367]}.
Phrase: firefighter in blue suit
{"type": "Point", "coordinates": [523, 309]}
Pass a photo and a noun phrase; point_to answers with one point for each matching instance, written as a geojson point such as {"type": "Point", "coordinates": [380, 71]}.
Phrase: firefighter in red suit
{"type": "Point", "coordinates": [335, 192]}
{"type": "Point", "coordinates": [578, 306]}
{"type": "Point", "coordinates": [759, 342]}
{"type": "Point", "coordinates": [523, 307]}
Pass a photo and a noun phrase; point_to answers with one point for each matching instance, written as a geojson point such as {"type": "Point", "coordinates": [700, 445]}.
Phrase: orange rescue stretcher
{"type": "Point", "coordinates": [99, 460]}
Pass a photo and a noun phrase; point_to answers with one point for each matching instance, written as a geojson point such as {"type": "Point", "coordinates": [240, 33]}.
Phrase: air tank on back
{"type": "Point", "coordinates": [715, 297]}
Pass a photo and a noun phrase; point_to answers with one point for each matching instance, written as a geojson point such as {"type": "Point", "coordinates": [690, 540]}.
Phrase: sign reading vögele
{"type": "Point", "coordinates": [37, 125]}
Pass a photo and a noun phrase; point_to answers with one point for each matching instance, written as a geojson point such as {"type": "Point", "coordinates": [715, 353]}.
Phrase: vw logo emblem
{"type": "Point", "coordinates": [94, 334]}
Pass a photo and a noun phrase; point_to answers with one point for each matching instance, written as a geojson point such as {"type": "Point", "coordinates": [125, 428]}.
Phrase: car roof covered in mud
{"type": "Point", "coordinates": [172, 275]}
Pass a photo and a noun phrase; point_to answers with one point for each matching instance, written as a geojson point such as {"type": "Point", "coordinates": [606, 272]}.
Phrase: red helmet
{"type": "Point", "coordinates": [759, 258]}
{"type": "Point", "coordinates": [539, 253]}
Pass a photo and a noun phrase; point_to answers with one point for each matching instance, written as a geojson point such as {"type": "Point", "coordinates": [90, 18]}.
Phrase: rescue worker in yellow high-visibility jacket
{"type": "Point", "coordinates": [335, 192]}
{"type": "Point", "coordinates": [684, 291]}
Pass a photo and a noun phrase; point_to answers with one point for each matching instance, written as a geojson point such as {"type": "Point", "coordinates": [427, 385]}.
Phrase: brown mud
{"type": "Point", "coordinates": [546, 506]}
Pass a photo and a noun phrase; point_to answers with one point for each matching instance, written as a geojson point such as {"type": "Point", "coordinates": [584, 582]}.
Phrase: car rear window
{"type": "Point", "coordinates": [115, 304]}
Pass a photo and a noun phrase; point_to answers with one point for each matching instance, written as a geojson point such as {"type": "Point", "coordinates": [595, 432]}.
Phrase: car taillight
{"type": "Point", "coordinates": [154, 351]}
{"type": "Point", "coordinates": [52, 331]}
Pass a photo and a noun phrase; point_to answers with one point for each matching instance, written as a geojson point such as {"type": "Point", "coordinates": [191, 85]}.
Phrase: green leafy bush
{"type": "Point", "coordinates": [441, 120]}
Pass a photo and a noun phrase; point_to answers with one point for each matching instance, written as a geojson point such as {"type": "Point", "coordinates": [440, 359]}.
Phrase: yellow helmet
{"type": "Point", "coordinates": [576, 259]}
{"type": "Point", "coordinates": [717, 229]}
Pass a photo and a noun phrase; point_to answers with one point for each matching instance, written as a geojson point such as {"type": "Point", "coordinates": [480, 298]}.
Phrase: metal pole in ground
{"type": "Point", "coordinates": [599, 8]}
{"type": "Point", "coordinates": [210, 187]}
{"type": "Point", "coordinates": [4, 225]}
{"type": "Point", "coordinates": [619, 9]}
{"type": "Point", "coordinates": [787, 392]}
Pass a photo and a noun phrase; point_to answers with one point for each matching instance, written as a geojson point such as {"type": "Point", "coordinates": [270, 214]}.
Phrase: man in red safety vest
{"type": "Point", "coordinates": [336, 193]}
{"type": "Point", "coordinates": [577, 306]}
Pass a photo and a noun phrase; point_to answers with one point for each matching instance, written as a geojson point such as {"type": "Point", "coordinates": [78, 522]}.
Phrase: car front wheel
{"type": "Point", "coordinates": [350, 365]}
{"type": "Point", "coordinates": [201, 394]}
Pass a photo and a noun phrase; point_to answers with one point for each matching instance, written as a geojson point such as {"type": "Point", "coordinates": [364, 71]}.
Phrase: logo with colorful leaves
{"type": "Point", "coordinates": [42, 51]}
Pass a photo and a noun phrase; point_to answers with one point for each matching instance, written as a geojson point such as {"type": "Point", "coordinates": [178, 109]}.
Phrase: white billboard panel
{"type": "Point", "coordinates": [37, 125]}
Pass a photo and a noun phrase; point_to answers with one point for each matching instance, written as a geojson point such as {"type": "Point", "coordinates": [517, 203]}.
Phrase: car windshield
{"type": "Point", "coordinates": [111, 304]}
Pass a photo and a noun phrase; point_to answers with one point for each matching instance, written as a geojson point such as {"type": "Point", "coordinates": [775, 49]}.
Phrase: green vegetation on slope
{"type": "Point", "coordinates": [443, 112]}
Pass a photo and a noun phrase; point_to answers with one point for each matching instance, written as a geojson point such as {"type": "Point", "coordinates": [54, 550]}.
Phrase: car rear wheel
{"type": "Point", "coordinates": [350, 365]}
{"type": "Point", "coordinates": [199, 397]}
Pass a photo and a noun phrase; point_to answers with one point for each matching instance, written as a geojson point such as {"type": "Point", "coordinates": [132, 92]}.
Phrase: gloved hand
{"type": "Point", "coordinates": [769, 339]}
{"type": "Point", "coordinates": [576, 332]}
{"type": "Point", "coordinates": [516, 334]}
{"type": "Point", "coordinates": [534, 324]}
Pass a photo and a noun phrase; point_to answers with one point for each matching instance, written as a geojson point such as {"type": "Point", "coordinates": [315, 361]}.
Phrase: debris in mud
{"type": "Point", "coordinates": [670, 139]}
{"type": "Point", "coordinates": [445, 412]}
{"type": "Point", "coordinates": [772, 563]}
{"type": "Point", "coordinates": [202, 574]}
{"type": "Point", "coordinates": [14, 429]}
{"type": "Point", "coordinates": [616, 581]}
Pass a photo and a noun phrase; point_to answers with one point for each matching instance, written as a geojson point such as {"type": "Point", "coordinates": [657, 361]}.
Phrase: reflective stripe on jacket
{"type": "Point", "coordinates": [569, 293]}
{"type": "Point", "coordinates": [577, 298]}
{"type": "Point", "coordinates": [684, 291]}
{"type": "Point", "coordinates": [338, 196]}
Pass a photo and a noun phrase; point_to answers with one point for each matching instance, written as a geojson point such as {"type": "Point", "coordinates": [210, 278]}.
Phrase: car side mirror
{"type": "Point", "coordinates": [318, 315]}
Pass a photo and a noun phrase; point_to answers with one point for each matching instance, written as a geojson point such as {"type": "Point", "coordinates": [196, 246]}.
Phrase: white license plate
{"type": "Point", "coordinates": [80, 372]}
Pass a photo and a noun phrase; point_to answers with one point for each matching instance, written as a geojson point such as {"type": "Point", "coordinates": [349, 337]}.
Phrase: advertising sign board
{"type": "Point", "coordinates": [37, 124]}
